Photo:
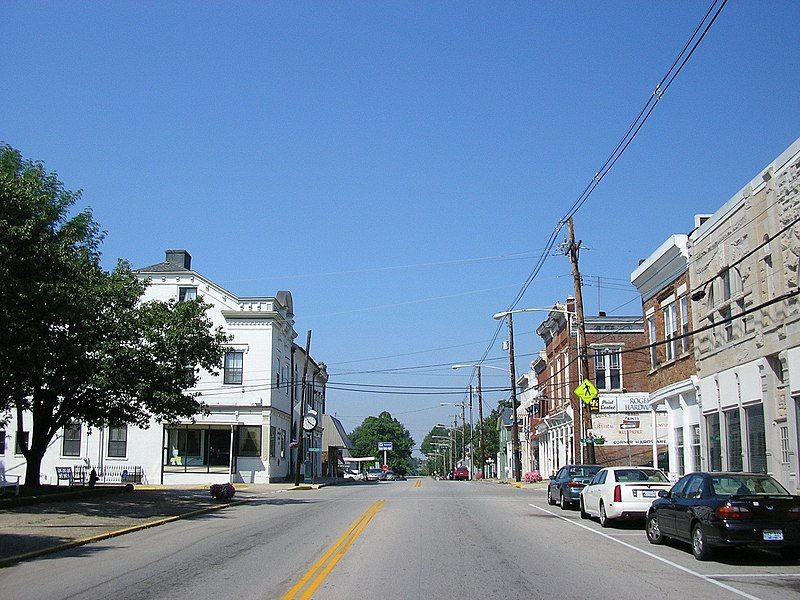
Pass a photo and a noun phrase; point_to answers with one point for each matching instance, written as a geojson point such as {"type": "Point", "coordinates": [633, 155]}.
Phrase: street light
{"type": "Point", "coordinates": [463, 406]}
{"type": "Point", "coordinates": [577, 431]}
{"type": "Point", "coordinates": [482, 449]}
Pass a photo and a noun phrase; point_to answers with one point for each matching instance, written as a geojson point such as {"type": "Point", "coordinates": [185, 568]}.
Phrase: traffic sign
{"type": "Point", "coordinates": [385, 467]}
{"type": "Point", "coordinates": [586, 391]}
{"type": "Point", "coordinates": [629, 424]}
{"type": "Point", "coordinates": [384, 445]}
{"type": "Point", "coordinates": [315, 449]}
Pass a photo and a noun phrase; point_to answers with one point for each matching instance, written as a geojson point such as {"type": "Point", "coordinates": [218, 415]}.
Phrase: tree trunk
{"type": "Point", "coordinates": [33, 468]}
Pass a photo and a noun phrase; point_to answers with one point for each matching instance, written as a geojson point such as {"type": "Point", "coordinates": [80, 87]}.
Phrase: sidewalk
{"type": "Point", "coordinates": [30, 530]}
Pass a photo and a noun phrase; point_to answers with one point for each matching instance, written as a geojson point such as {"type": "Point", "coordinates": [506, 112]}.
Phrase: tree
{"type": "Point", "coordinates": [76, 342]}
{"type": "Point", "coordinates": [491, 434]}
{"type": "Point", "coordinates": [430, 446]}
{"type": "Point", "coordinates": [384, 428]}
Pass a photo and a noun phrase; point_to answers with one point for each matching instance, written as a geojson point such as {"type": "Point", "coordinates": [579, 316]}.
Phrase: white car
{"type": "Point", "coordinates": [622, 493]}
{"type": "Point", "coordinates": [352, 474]}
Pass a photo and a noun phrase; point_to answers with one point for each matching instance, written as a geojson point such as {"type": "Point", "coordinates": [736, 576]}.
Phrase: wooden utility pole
{"type": "Point", "coordinates": [480, 424]}
{"type": "Point", "coordinates": [300, 432]}
{"type": "Point", "coordinates": [463, 432]}
{"type": "Point", "coordinates": [514, 425]}
{"type": "Point", "coordinates": [582, 412]}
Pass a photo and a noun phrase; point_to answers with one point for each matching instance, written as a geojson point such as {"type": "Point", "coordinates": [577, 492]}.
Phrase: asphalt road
{"type": "Point", "coordinates": [416, 539]}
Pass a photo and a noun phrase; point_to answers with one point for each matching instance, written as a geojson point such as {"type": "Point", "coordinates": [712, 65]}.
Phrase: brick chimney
{"type": "Point", "coordinates": [180, 258]}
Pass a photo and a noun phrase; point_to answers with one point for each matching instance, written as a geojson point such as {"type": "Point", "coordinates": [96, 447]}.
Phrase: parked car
{"type": "Point", "coordinates": [622, 493]}
{"type": "Point", "coordinates": [399, 477]}
{"type": "Point", "coordinates": [711, 510]}
{"type": "Point", "coordinates": [566, 485]}
{"type": "Point", "coordinates": [374, 474]}
{"type": "Point", "coordinates": [461, 473]}
{"type": "Point", "coordinates": [353, 474]}
{"type": "Point", "coordinates": [389, 476]}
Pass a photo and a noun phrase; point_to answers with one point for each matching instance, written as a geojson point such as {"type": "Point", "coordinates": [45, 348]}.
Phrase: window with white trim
{"type": "Point", "coordinates": [187, 293]}
{"type": "Point", "coordinates": [651, 330]}
{"type": "Point", "coordinates": [679, 450]}
{"type": "Point", "coordinates": [608, 368]}
{"type": "Point", "coordinates": [670, 330]}
{"type": "Point", "coordinates": [118, 441]}
{"type": "Point", "coordinates": [17, 444]}
{"type": "Point", "coordinates": [233, 367]}
{"type": "Point", "coordinates": [71, 442]}
{"type": "Point", "coordinates": [686, 338]}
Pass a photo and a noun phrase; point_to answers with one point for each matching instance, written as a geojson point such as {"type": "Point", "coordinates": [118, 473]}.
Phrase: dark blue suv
{"type": "Point", "coordinates": [565, 486]}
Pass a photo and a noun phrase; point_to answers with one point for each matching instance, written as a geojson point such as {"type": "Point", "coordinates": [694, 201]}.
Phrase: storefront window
{"type": "Point", "coordinates": [756, 438]}
{"type": "Point", "coordinates": [714, 443]}
{"type": "Point", "coordinates": [679, 450]}
{"type": "Point", "coordinates": [733, 433]}
{"type": "Point", "coordinates": [696, 447]}
{"type": "Point", "coordinates": [249, 440]}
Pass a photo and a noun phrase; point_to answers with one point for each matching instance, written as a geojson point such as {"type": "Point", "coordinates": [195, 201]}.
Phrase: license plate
{"type": "Point", "coordinates": [773, 535]}
{"type": "Point", "coordinates": [649, 494]}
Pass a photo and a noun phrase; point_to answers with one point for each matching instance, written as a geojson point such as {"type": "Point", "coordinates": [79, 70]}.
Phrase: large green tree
{"type": "Point", "coordinates": [384, 428]}
{"type": "Point", "coordinates": [77, 344]}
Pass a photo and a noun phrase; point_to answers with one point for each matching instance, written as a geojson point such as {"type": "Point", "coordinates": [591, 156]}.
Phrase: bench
{"type": "Point", "coordinates": [134, 476]}
{"type": "Point", "coordinates": [64, 474]}
{"type": "Point", "coordinates": [5, 482]}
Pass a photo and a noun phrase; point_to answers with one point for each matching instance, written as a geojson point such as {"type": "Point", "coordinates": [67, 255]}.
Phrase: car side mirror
{"type": "Point", "coordinates": [552, 477]}
{"type": "Point", "coordinates": [664, 494]}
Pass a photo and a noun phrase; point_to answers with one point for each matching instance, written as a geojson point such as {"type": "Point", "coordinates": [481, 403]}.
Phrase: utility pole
{"type": "Point", "coordinates": [471, 439]}
{"type": "Point", "coordinates": [463, 433]}
{"type": "Point", "coordinates": [585, 413]}
{"type": "Point", "coordinates": [302, 414]}
{"type": "Point", "coordinates": [480, 424]}
{"type": "Point", "coordinates": [514, 424]}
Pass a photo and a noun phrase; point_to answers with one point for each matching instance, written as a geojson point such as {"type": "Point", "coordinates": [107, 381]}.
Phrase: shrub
{"type": "Point", "coordinates": [222, 491]}
{"type": "Point", "coordinates": [532, 477]}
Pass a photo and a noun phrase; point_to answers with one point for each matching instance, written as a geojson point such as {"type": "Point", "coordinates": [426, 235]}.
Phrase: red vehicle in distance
{"type": "Point", "coordinates": [461, 473]}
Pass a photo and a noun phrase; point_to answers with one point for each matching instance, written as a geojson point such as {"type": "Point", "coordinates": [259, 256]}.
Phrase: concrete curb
{"type": "Point", "coordinates": [5, 562]}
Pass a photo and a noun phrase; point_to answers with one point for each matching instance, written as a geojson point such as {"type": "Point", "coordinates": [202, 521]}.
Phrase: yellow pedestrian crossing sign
{"type": "Point", "coordinates": [586, 391]}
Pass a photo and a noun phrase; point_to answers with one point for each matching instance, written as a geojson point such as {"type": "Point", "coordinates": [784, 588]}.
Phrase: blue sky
{"type": "Point", "coordinates": [397, 166]}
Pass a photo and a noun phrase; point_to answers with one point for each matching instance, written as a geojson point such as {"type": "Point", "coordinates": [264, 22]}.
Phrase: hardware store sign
{"type": "Point", "coordinates": [613, 403]}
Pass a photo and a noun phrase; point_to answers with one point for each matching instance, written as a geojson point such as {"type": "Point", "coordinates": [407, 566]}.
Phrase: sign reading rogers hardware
{"type": "Point", "coordinates": [624, 403]}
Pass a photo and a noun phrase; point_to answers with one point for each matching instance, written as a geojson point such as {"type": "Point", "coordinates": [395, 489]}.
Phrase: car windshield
{"type": "Point", "coordinates": [740, 485]}
{"type": "Point", "coordinates": [583, 471]}
{"type": "Point", "coordinates": [640, 475]}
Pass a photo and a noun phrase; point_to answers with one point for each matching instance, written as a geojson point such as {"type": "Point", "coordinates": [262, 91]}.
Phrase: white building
{"type": "Point", "coordinates": [253, 401]}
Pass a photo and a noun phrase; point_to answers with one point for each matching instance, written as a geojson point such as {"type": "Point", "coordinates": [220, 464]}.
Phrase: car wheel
{"type": "Point", "coordinates": [584, 514]}
{"type": "Point", "coordinates": [550, 500]}
{"type": "Point", "coordinates": [604, 520]}
{"type": "Point", "coordinates": [563, 502]}
{"type": "Point", "coordinates": [790, 554]}
{"type": "Point", "coordinates": [654, 535]}
{"type": "Point", "coordinates": [700, 547]}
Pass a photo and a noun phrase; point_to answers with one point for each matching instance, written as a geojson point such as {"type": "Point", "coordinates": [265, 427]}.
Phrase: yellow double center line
{"type": "Point", "coordinates": [418, 483]}
{"type": "Point", "coordinates": [320, 569]}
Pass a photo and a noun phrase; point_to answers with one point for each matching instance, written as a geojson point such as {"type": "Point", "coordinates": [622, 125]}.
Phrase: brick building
{"type": "Point", "coordinates": [663, 281]}
{"type": "Point", "coordinates": [618, 367]}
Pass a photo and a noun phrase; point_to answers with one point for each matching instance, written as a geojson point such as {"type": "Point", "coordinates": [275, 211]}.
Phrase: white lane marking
{"type": "Point", "coordinates": [651, 555]}
{"type": "Point", "coordinates": [737, 575]}
{"type": "Point", "coordinates": [640, 534]}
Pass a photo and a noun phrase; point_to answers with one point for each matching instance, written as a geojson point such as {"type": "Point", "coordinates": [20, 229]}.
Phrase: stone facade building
{"type": "Point", "coordinates": [743, 269]}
